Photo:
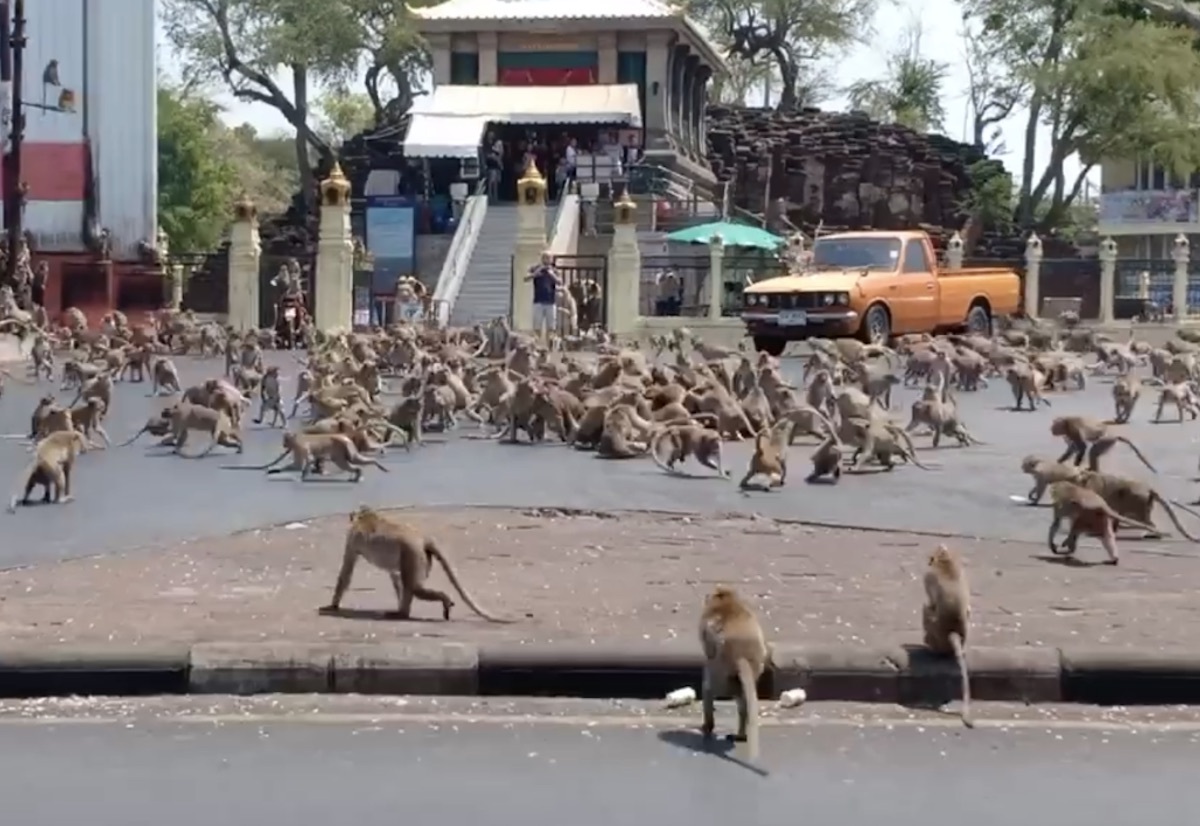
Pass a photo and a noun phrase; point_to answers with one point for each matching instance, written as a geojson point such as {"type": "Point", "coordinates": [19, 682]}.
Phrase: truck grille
{"type": "Point", "coordinates": [792, 301]}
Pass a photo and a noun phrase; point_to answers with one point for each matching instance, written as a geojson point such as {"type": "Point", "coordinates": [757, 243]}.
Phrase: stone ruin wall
{"type": "Point", "coordinates": [848, 172]}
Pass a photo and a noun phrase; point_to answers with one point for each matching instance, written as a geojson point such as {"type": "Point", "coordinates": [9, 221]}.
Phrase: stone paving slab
{"type": "Point", "coordinates": [603, 579]}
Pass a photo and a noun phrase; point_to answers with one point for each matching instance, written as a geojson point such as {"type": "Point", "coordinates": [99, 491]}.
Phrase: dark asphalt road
{"type": "Point", "coordinates": [586, 772]}
{"type": "Point", "coordinates": [140, 495]}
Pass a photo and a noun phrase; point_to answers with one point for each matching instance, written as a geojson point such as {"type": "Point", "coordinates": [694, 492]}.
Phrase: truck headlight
{"type": "Point", "coordinates": [842, 298]}
{"type": "Point", "coordinates": [828, 298]}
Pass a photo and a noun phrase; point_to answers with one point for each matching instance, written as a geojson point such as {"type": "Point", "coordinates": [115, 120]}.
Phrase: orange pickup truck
{"type": "Point", "coordinates": [874, 285]}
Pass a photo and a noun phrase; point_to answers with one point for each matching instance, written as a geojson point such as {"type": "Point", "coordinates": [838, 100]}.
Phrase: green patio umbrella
{"type": "Point", "coordinates": [734, 235]}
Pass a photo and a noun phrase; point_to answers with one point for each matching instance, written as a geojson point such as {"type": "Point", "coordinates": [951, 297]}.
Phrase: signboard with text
{"type": "Point", "coordinates": [1134, 208]}
{"type": "Point", "coordinates": [391, 238]}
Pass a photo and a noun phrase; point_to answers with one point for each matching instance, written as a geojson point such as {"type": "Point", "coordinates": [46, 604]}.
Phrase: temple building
{"type": "Point", "coordinates": [553, 74]}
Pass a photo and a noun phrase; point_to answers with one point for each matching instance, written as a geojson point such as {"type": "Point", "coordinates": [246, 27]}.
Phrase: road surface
{"type": "Point", "coordinates": [587, 764]}
{"type": "Point", "coordinates": [141, 495]}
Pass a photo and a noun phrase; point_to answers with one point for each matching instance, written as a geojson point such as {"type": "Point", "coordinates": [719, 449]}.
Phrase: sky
{"type": "Point", "coordinates": [940, 22]}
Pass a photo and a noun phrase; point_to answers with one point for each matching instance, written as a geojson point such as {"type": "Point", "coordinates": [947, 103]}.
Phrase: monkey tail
{"type": "Point", "coordinates": [434, 552]}
{"type": "Point", "coordinates": [1155, 497]}
{"type": "Point", "coordinates": [654, 447]}
{"type": "Point", "coordinates": [267, 466]}
{"type": "Point", "coordinates": [1134, 448]}
{"type": "Point", "coordinates": [23, 482]}
{"type": "Point", "coordinates": [134, 438]}
{"type": "Point", "coordinates": [750, 698]}
{"type": "Point", "coordinates": [956, 643]}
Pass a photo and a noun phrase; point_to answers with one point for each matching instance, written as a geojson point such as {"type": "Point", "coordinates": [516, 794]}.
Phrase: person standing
{"type": "Point", "coordinates": [546, 284]}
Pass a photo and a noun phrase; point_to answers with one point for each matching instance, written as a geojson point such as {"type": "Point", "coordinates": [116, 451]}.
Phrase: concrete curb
{"type": "Point", "coordinates": [905, 674]}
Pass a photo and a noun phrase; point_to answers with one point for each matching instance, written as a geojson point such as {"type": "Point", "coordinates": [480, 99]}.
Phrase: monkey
{"type": "Point", "coordinates": [689, 440]}
{"type": "Point", "coordinates": [1126, 392]}
{"type": "Point", "coordinates": [882, 441]}
{"type": "Point", "coordinates": [270, 398]}
{"type": "Point", "coordinates": [1134, 500]}
{"type": "Point", "coordinates": [1027, 382]}
{"type": "Point", "coordinates": [186, 417]}
{"type": "Point", "coordinates": [407, 556]}
{"type": "Point", "coordinates": [1088, 514]}
{"type": "Point", "coordinates": [310, 449]}
{"type": "Point", "coordinates": [827, 461]}
{"type": "Point", "coordinates": [734, 648]}
{"type": "Point", "coordinates": [770, 455]}
{"type": "Point", "coordinates": [946, 614]}
{"type": "Point", "coordinates": [86, 417]}
{"type": "Point", "coordinates": [100, 387]}
{"type": "Point", "coordinates": [164, 376]}
{"type": "Point", "coordinates": [1080, 431]}
{"type": "Point", "coordinates": [1046, 472]}
{"type": "Point", "coordinates": [158, 426]}
{"type": "Point", "coordinates": [54, 457]}
{"type": "Point", "coordinates": [36, 419]}
{"type": "Point", "coordinates": [1181, 396]}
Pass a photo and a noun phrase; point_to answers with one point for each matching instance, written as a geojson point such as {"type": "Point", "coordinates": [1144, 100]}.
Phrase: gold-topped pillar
{"type": "Point", "coordinates": [624, 269]}
{"type": "Point", "coordinates": [333, 299]}
{"type": "Point", "coordinates": [244, 253]}
{"type": "Point", "coordinates": [531, 243]}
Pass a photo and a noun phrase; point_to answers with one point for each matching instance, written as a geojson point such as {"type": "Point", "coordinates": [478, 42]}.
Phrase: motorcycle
{"type": "Point", "coordinates": [290, 317]}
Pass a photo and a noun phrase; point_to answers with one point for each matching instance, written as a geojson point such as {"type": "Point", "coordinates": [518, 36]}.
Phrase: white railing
{"type": "Point", "coordinates": [564, 239]}
{"type": "Point", "coordinates": [458, 257]}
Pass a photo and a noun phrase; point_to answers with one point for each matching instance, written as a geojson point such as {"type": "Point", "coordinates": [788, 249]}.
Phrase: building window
{"type": "Point", "coordinates": [464, 69]}
{"type": "Point", "coordinates": [1155, 177]}
{"type": "Point", "coordinates": [631, 68]}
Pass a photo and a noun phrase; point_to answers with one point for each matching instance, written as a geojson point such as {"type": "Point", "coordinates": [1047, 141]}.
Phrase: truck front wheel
{"type": "Point", "coordinates": [770, 346]}
{"type": "Point", "coordinates": [876, 326]}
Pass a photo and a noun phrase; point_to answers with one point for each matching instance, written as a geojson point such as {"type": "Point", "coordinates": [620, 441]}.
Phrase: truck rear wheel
{"type": "Point", "coordinates": [876, 325]}
{"type": "Point", "coordinates": [979, 320]}
{"type": "Point", "coordinates": [770, 346]}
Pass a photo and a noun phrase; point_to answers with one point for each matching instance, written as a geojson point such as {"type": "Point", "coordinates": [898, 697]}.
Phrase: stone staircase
{"type": "Point", "coordinates": [486, 290]}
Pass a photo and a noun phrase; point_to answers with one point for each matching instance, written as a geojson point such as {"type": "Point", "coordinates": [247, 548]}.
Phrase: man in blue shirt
{"type": "Point", "coordinates": [546, 284]}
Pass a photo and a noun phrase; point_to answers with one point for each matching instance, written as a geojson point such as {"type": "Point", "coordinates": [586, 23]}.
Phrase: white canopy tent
{"type": "Point", "coordinates": [450, 122]}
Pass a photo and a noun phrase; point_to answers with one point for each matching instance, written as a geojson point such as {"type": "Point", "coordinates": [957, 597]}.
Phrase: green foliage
{"type": "Point", "coordinates": [791, 37]}
{"type": "Point", "coordinates": [992, 196]}
{"type": "Point", "coordinates": [343, 115]}
{"type": "Point", "coordinates": [1102, 85]}
{"type": "Point", "coordinates": [195, 179]}
{"type": "Point", "coordinates": [911, 92]}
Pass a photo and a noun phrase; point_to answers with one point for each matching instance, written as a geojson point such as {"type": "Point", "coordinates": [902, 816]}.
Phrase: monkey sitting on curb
{"type": "Point", "coordinates": [735, 657]}
{"type": "Point", "coordinates": [946, 614]}
{"type": "Point", "coordinates": [407, 556]}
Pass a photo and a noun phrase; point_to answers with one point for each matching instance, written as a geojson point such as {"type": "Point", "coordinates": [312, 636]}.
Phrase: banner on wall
{"type": "Point", "coordinates": [391, 238]}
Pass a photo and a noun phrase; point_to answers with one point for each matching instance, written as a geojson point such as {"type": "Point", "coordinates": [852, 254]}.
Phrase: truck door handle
{"type": "Point", "coordinates": [929, 287]}
{"type": "Point", "coordinates": [893, 287]}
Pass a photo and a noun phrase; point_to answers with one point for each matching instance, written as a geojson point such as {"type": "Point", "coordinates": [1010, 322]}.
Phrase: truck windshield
{"type": "Point", "coordinates": [880, 253]}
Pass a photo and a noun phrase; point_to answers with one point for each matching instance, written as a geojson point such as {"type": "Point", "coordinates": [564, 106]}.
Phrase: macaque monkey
{"type": "Point", "coordinates": [86, 419]}
{"type": "Point", "coordinates": [1080, 431]}
{"type": "Point", "coordinates": [770, 455]}
{"type": "Point", "coordinates": [1027, 382]}
{"type": "Point", "coordinates": [271, 399]}
{"type": "Point", "coordinates": [51, 467]}
{"type": "Point", "coordinates": [407, 556]}
{"type": "Point", "coordinates": [827, 461]}
{"type": "Point", "coordinates": [186, 417]}
{"type": "Point", "coordinates": [735, 656]}
{"type": "Point", "coordinates": [1046, 472]}
{"type": "Point", "coordinates": [946, 614]}
{"type": "Point", "coordinates": [1125, 393]}
{"type": "Point", "coordinates": [164, 377]}
{"type": "Point", "coordinates": [310, 450]}
{"type": "Point", "coordinates": [100, 387]}
{"type": "Point", "coordinates": [158, 426]}
{"type": "Point", "coordinates": [1088, 514]}
{"type": "Point", "coordinates": [688, 440]}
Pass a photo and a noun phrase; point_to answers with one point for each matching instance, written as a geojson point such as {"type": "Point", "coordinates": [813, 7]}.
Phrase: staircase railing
{"type": "Point", "coordinates": [648, 178]}
{"type": "Point", "coordinates": [458, 257]}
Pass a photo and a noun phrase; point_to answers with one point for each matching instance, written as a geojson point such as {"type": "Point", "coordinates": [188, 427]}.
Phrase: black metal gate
{"type": "Point", "coordinates": [586, 278]}
{"type": "Point", "coordinates": [273, 272]}
{"type": "Point", "coordinates": [205, 280]}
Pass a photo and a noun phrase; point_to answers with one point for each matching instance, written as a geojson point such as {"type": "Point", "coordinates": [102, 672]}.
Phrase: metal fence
{"type": "Point", "coordinates": [585, 277]}
{"type": "Point", "coordinates": [205, 280]}
{"type": "Point", "coordinates": [674, 285]}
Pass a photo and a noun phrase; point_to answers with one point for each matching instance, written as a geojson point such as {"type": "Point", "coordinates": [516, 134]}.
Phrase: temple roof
{"type": "Point", "coordinates": [534, 10]}
{"type": "Point", "coordinates": [546, 10]}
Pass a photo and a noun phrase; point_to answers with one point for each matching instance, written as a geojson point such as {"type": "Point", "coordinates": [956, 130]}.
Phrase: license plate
{"type": "Point", "coordinates": [793, 318]}
{"type": "Point", "coordinates": [290, 313]}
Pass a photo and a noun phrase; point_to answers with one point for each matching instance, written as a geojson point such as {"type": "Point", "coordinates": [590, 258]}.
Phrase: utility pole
{"type": "Point", "coordinates": [14, 61]}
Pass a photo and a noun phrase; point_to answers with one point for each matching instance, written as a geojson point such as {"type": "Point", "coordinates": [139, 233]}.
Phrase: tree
{"type": "Point", "coordinates": [993, 90]}
{"type": "Point", "coordinates": [265, 166]}
{"type": "Point", "coordinates": [911, 92]}
{"type": "Point", "coordinates": [1100, 84]}
{"type": "Point", "coordinates": [342, 115]}
{"type": "Point", "coordinates": [195, 179]}
{"type": "Point", "coordinates": [247, 44]}
{"type": "Point", "coordinates": [792, 36]}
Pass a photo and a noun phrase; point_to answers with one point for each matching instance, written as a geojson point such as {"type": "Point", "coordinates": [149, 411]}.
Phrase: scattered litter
{"type": "Point", "coordinates": [681, 697]}
{"type": "Point", "coordinates": [792, 698]}
{"type": "Point", "coordinates": [295, 526]}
